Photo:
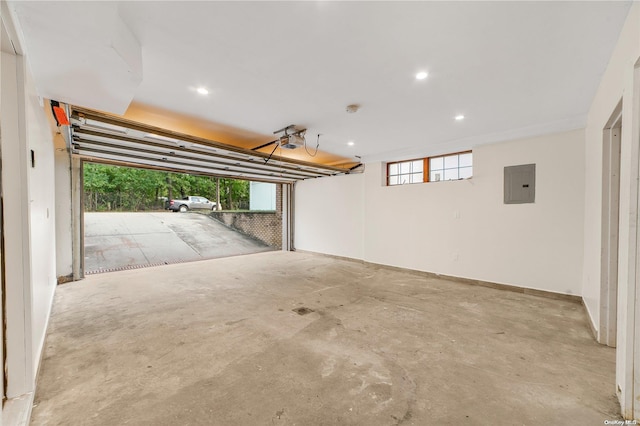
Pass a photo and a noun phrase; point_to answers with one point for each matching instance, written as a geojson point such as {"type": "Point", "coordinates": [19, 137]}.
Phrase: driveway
{"type": "Point", "coordinates": [114, 241]}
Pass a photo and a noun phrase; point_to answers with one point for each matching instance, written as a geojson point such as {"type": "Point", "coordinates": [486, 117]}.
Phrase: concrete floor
{"type": "Point", "coordinates": [120, 240]}
{"type": "Point", "coordinates": [218, 343]}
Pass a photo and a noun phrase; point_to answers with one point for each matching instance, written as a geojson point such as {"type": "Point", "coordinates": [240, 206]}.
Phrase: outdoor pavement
{"type": "Point", "coordinates": [115, 241]}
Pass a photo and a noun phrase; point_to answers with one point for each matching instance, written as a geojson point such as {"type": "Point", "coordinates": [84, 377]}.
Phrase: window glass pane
{"type": "Point", "coordinates": [466, 172]}
{"type": "Point", "coordinates": [436, 163]}
{"type": "Point", "coordinates": [446, 167]}
{"type": "Point", "coordinates": [466, 160]}
{"type": "Point", "coordinates": [451, 161]}
{"type": "Point", "coordinates": [451, 174]}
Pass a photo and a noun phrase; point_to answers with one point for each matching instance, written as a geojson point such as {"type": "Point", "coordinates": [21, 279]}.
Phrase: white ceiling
{"type": "Point", "coordinates": [514, 69]}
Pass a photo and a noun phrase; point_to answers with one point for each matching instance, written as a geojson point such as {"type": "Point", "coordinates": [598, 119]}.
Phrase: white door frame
{"type": "Point", "coordinates": [287, 216]}
{"type": "Point", "coordinates": [628, 343]}
{"type": "Point", "coordinates": [20, 374]}
{"type": "Point", "coordinates": [17, 229]}
{"type": "Point", "coordinates": [2, 302]}
{"type": "Point", "coordinates": [630, 359]}
{"type": "Point", "coordinates": [611, 146]}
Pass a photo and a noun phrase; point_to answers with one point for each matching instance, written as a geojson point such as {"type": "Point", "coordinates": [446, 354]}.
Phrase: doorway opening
{"type": "Point", "coordinates": [136, 217]}
{"type": "Point", "coordinates": [607, 328]}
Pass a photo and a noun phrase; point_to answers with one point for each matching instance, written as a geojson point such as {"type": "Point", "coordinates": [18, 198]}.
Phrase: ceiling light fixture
{"type": "Point", "coordinates": [351, 143]}
{"type": "Point", "coordinates": [202, 91]}
{"type": "Point", "coordinates": [459, 117]}
{"type": "Point", "coordinates": [422, 75]}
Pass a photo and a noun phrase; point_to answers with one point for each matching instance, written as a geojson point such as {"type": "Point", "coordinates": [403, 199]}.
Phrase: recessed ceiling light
{"type": "Point", "coordinates": [422, 75]}
{"type": "Point", "coordinates": [459, 117]}
{"type": "Point", "coordinates": [202, 91]}
{"type": "Point", "coordinates": [351, 143]}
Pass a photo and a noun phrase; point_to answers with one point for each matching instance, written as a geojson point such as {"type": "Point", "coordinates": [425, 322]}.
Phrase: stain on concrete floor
{"type": "Point", "coordinates": [303, 310]}
{"type": "Point", "coordinates": [218, 343]}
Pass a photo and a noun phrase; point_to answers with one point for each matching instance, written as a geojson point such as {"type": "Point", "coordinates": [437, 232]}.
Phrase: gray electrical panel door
{"type": "Point", "coordinates": [520, 184]}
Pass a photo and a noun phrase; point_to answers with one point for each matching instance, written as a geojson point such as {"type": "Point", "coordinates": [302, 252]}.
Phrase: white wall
{"type": "Point", "coordinates": [460, 228]}
{"type": "Point", "coordinates": [618, 82]}
{"type": "Point", "coordinates": [617, 79]}
{"type": "Point", "coordinates": [28, 227]}
{"type": "Point", "coordinates": [329, 216]}
{"type": "Point", "coordinates": [42, 216]}
{"type": "Point", "coordinates": [262, 196]}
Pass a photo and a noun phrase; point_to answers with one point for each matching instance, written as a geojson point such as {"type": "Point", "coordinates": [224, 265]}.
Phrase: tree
{"type": "Point", "coordinates": [235, 194]}
{"type": "Point", "coordinates": [118, 188]}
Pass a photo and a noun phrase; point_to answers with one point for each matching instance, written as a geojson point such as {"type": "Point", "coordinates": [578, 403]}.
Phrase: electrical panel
{"type": "Point", "coordinates": [520, 184]}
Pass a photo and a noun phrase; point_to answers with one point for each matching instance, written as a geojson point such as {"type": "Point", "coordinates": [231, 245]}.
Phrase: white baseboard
{"type": "Point", "coordinates": [17, 411]}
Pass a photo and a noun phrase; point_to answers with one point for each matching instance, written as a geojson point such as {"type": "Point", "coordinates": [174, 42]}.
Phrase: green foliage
{"type": "Point", "coordinates": [234, 194]}
{"type": "Point", "coordinates": [113, 188]}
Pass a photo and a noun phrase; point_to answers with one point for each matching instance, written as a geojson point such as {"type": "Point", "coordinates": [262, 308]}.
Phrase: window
{"type": "Point", "coordinates": [451, 167]}
{"type": "Point", "coordinates": [431, 169]}
{"type": "Point", "coordinates": [406, 172]}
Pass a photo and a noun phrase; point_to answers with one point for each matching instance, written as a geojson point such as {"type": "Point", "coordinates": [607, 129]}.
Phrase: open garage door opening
{"type": "Point", "coordinates": [106, 142]}
{"type": "Point", "coordinates": [135, 217]}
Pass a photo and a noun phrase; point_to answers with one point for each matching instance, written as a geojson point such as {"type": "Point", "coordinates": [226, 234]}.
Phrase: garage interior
{"type": "Point", "coordinates": [500, 290]}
